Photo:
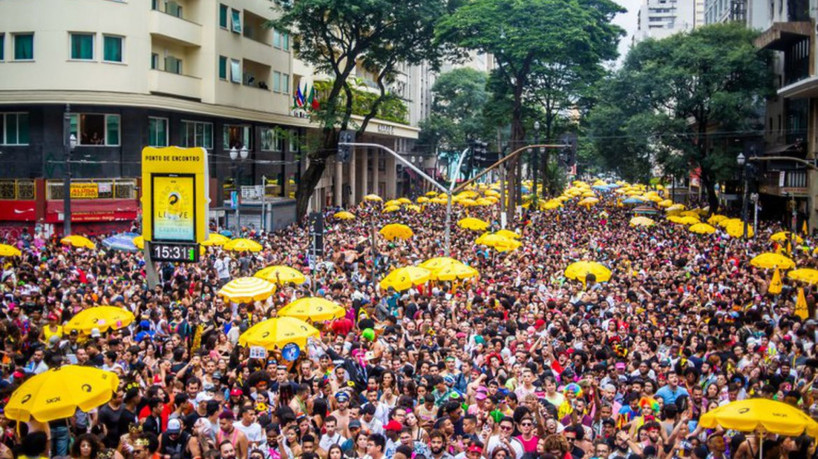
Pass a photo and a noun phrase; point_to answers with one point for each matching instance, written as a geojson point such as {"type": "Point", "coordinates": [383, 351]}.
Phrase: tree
{"type": "Point", "coordinates": [336, 37]}
{"type": "Point", "coordinates": [675, 101]}
{"type": "Point", "coordinates": [531, 39]}
{"type": "Point", "coordinates": [458, 99]}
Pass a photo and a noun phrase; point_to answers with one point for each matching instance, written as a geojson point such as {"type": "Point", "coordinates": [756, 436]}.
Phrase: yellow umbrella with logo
{"type": "Point", "coordinates": [786, 236]}
{"type": "Point", "coordinates": [103, 318]}
{"type": "Point", "coordinates": [760, 415]}
{"type": "Point", "coordinates": [314, 309]}
{"type": "Point", "coordinates": [59, 392]}
{"type": "Point", "coordinates": [453, 272]}
{"type": "Point", "coordinates": [9, 251]}
{"type": "Point", "coordinates": [344, 215]}
{"type": "Point", "coordinates": [405, 278]}
{"type": "Point", "coordinates": [807, 275]}
{"type": "Point", "coordinates": [281, 275]}
{"type": "Point", "coordinates": [771, 260]}
{"type": "Point", "coordinates": [702, 228]}
{"type": "Point", "coordinates": [392, 202]}
{"type": "Point", "coordinates": [507, 233]}
{"type": "Point", "coordinates": [474, 224]}
{"type": "Point", "coordinates": [391, 209]}
{"type": "Point", "coordinates": [215, 239]}
{"type": "Point", "coordinates": [396, 231]}
{"type": "Point", "coordinates": [278, 332]}
{"type": "Point", "coordinates": [373, 198]}
{"type": "Point", "coordinates": [436, 263]}
{"type": "Point", "coordinates": [498, 242]}
{"type": "Point", "coordinates": [581, 269]}
{"type": "Point", "coordinates": [243, 245]}
{"type": "Point", "coordinates": [247, 290]}
{"type": "Point", "coordinates": [76, 240]}
{"type": "Point", "coordinates": [736, 229]}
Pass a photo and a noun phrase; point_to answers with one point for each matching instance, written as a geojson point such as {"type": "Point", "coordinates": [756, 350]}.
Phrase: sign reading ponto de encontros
{"type": "Point", "coordinates": [174, 194]}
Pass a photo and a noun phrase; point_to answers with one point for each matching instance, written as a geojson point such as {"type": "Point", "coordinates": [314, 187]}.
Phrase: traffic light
{"type": "Point", "coordinates": [345, 151]}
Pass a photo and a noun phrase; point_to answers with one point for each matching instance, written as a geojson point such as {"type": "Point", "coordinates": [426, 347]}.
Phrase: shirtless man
{"type": "Point", "coordinates": [342, 413]}
{"type": "Point", "coordinates": [229, 433]}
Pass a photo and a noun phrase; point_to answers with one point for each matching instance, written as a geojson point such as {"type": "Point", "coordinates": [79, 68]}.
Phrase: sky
{"type": "Point", "coordinates": [628, 22]}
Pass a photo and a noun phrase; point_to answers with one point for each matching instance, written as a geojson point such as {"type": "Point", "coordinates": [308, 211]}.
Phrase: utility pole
{"type": "Point", "coordinates": [69, 143]}
{"type": "Point", "coordinates": [536, 163]}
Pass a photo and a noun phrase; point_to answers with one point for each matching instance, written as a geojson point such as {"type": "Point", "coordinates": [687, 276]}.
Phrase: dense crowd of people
{"type": "Point", "coordinates": [520, 362]}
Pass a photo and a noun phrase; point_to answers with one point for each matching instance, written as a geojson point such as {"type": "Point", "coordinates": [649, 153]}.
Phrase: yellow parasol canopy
{"type": "Point", "coordinates": [436, 263]}
{"type": "Point", "coordinates": [404, 200]}
{"type": "Point", "coordinates": [642, 221]}
{"type": "Point", "coordinates": [498, 242]}
{"type": "Point", "coordinates": [243, 245]}
{"type": "Point", "coordinates": [736, 229]}
{"type": "Point", "coordinates": [665, 203]}
{"type": "Point", "coordinates": [507, 233]}
{"type": "Point", "coordinates": [423, 200]}
{"type": "Point", "coordinates": [391, 203]}
{"type": "Point", "coordinates": [396, 231]}
{"type": "Point", "coordinates": [702, 228]}
{"type": "Point", "coordinates": [588, 201]}
{"type": "Point", "coordinates": [771, 260]}
{"type": "Point", "coordinates": [57, 393]}
{"type": "Point", "coordinates": [474, 224]}
{"type": "Point", "coordinates": [675, 207]}
{"type": "Point", "coordinates": [454, 271]}
{"type": "Point", "coordinates": [344, 215]}
{"type": "Point", "coordinates": [807, 275]}
{"type": "Point", "coordinates": [281, 275]}
{"type": "Point", "coordinates": [373, 198]}
{"type": "Point", "coordinates": [716, 218]}
{"type": "Point", "coordinates": [247, 290]}
{"type": "Point", "coordinates": [278, 332]}
{"type": "Point", "coordinates": [313, 308]}
{"type": "Point", "coordinates": [103, 318]}
{"type": "Point", "coordinates": [581, 269]}
{"type": "Point", "coordinates": [139, 242]}
{"type": "Point", "coordinates": [215, 239]}
{"type": "Point", "coordinates": [75, 240]}
{"type": "Point", "coordinates": [9, 251]}
{"type": "Point", "coordinates": [785, 236]}
{"type": "Point", "coordinates": [405, 278]}
{"type": "Point", "coordinates": [759, 414]}
{"type": "Point", "coordinates": [689, 220]}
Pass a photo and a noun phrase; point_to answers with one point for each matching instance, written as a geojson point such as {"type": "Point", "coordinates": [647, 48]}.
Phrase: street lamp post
{"type": "Point", "coordinates": [238, 156]}
{"type": "Point", "coordinates": [536, 163]}
{"type": "Point", "coordinates": [70, 143]}
{"type": "Point", "coordinates": [742, 163]}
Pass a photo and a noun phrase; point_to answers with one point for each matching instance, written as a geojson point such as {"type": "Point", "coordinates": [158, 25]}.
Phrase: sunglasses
{"type": "Point", "coordinates": [506, 428]}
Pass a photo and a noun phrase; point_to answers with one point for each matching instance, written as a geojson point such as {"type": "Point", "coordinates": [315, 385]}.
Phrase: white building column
{"type": "Point", "coordinates": [391, 177]}
{"type": "Point", "coordinates": [352, 175]}
{"type": "Point", "coordinates": [339, 183]}
{"type": "Point", "coordinates": [363, 161]}
{"type": "Point", "coordinates": [375, 179]}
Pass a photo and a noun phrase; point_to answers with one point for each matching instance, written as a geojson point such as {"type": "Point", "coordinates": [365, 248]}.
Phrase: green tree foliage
{"type": "Point", "coordinates": [338, 36]}
{"type": "Point", "coordinates": [675, 100]}
{"type": "Point", "coordinates": [538, 46]}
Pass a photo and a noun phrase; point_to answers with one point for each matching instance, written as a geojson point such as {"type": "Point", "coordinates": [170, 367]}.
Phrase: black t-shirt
{"type": "Point", "coordinates": [110, 419]}
{"type": "Point", "coordinates": [126, 418]}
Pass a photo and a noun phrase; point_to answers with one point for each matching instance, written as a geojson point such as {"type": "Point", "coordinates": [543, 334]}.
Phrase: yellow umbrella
{"type": "Point", "coordinates": [243, 245]}
{"type": "Point", "coordinates": [57, 393]}
{"type": "Point", "coordinates": [771, 260]}
{"type": "Point", "coordinates": [396, 231]}
{"type": "Point", "coordinates": [551, 205]}
{"type": "Point", "coordinates": [735, 229]}
{"type": "Point", "coordinates": [507, 233]}
{"type": "Point", "coordinates": [467, 202]}
{"type": "Point", "coordinates": [431, 194]}
{"type": "Point", "coordinates": [139, 242]}
{"type": "Point", "coordinates": [437, 263]}
{"type": "Point", "coordinates": [786, 236]}
{"type": "Point", "coordinates": [675, 207]}
{"type": "Point", "coordinates": [313, 308]}
{"type": "Point", "coordinates": [103, 318]}
{"type": "Point", "coordinates": [675, 219]}
{"type": "Point", "coordinates": [281, 275]}
{"type": "Point", "coordinates": [689, 220]}
{"type": "Point", "coordinates": [404, 200]}
{"type": "Point", "coordinates": [454, 271]}
{"type": "Point", "coordinates": [642, 221]}
{"type": "Point", "coordinates": [9, 251]}
{"type": "Point", "coordinates": [690, 213]}
{"type": "Point", "coordinates": [404, 278]}
{"type": "Point", "coordinates": [215, 239]}
{"type": "Point", "coordinates": [423, 200]}
{"type": "Point", "coordinates": [391, 208]}
{"type": "Point", "coordinates": [588, 201]}
{"type": "Point", "coordinates": [75, 240]}
{"type": "Point", "coordinates": [665, 203]}
{"type": "Point", "coordinates": [247, 290]}
{"type": "Point", "coordinates": [492, 193]}
{"type": "Point", "coordinates": [392, 202]}
{"type": "Point", "coordinates": [763, 415]}
{"type": "Point", "coordinates": [702, 228]}
{"type": "Point", "coordinates": [716, 218]}
{"type": "Point", "coordinates": [278, 332]}
{"type": "Point", "coordinates": [807, 275]}
{"type": "Point", "coordinates": [474, 224]}
{"type": "Point", "coordinates": [581, 269]}
{"type": "Point", "coordinates": [413, 207]}
{"type": "Point", "coordinates": [484, 201]}
{"type": "Point", "coordinates": [438, 201]}
{"type": "Point", "coordinates": [498, 242]}
{"type": "Point", "coordinates": [728, 221]}
{"type": "Point", "coordinates": [373, 197]}
{"type": "Point", "coordinates": [344, 215]}
{"type": "Point", "coordinates": [467, 194]}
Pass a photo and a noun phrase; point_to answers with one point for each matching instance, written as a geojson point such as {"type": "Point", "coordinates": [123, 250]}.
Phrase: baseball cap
{"type": "Point", "coordinates": [174, 426]}
{"type": "Point", "coordinates": [342, 397]}
{"type": "Point", "coordinates": [393, 425]}
{"type": "Point", "coordinates": [236, 392]}
{"type": "Point", "coordinates": [353, 424]}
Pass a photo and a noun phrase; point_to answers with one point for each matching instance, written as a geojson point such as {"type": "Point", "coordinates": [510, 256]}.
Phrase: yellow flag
{"type": "Point", "coordinates": [801, 305]}
{"type": "Point", "coordinates": [789, 247]}
{"type": "Point", "coordinates": [775, 284]}
{"type": "Point", "coordinates": [804, 228]}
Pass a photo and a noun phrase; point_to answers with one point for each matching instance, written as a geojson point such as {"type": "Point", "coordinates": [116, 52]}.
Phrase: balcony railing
{"type": "Point", "coordinates": [784, 182]}
{"type": "Point", "coordinates": [17, 189]}
{"type": "Point", "coordinates": [105, 189]}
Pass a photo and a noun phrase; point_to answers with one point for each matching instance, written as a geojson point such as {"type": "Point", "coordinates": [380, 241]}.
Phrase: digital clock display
{"type": "Point", "coordinates": [178, 252]}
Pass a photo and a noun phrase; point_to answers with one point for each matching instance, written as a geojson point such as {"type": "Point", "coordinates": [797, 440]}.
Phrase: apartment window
{"type": "Point", "coordinates": [268, 136]}
{"type": "Point", "coordinates": [174, 9]}
{"type": "Point", "coordinates": [285, 41]}
{"type": "Point", "coordinates": [13, 128]}
{"type": "Point", "coordinates": [197, 134]}
{"type": "Point", "coordinates": [223, 16]}
{"type": "Point", "coordinates": [236, 21]}
{"type": "Point", "coordinates": [82, 46]}
{"type": "Point", "coordinates": [154, 61]}
{"type": "Point", "coordinates": [276, 81]}
{"type": "Point", "coordinates": [173, 65]}
{"type": "Point", "coordinates": [111, 48]}
{"type": "Point", "coordinates": [235, 71]}
{"type": "Point", "coordinates": [96, 129]}
{"type": "Point", "coordinates": [23, 46]}
{"type": "Point", "coordinates": [235, 136]}
{"type": "Point", "coordinates": [276, 39]}
{"type": "Point", "coordinates": [2, 47]}
{"type": "Point", "coordinates": [278, 144]}
{"type": "Point", "coordinates": [295, 145]}
{"type": "Point", "coordinates": [157, 132]}
{"type": "Point", "coordinates": [285, 83]}
{"type": "Point", "coordinates": [222, 68]}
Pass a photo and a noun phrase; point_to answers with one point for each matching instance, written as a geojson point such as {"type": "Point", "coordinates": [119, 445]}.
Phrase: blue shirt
{"type": "Point", "coordinates": [669, 395]}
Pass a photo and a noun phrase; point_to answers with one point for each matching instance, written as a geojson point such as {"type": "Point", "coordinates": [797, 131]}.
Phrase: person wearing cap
{"type": "Point", "coordinates": [53, 328]}
{"type": "Point", "coordinates": [177, 442]}
{"type": "Point", "coordinates": [341, 414]}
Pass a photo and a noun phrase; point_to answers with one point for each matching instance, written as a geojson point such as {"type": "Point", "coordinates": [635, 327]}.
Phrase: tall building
{"type": "Point", "coordinates": [130, 74]}
{"type": "Point", "coordinates": [662, 18]}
